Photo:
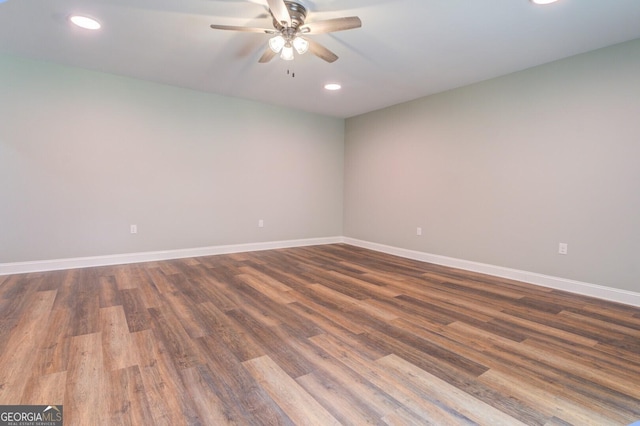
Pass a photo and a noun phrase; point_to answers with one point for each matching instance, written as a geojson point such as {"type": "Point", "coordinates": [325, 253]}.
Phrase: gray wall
{"type": "Point", "coordinates": [502, 171]}
{"type": "Point", "coordinates": [83, 155]}
{"type": "Point", "coordinates": [498, 172]}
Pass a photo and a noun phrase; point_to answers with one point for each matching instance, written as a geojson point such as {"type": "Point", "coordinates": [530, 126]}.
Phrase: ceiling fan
{"type": "Point", "coordinates": [289, 30]}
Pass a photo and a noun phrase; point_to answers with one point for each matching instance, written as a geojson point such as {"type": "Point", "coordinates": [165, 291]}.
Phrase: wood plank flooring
{"type": "Point", "coordinates": [317, 335]}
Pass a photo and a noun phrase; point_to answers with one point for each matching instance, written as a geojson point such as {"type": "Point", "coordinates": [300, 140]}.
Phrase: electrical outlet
{"type": "Point", "coordinates": [260, 223]}
{"type": "Point", "coordinates": [134, 229]}
{"type": "Point", "coordinates": [563, 248]}
{"type": "Point", "coordinates": [418, 231]}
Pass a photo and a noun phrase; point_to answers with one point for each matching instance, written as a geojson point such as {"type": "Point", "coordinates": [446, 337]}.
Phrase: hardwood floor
{"type": "Point", "coordinates": [317, 335]}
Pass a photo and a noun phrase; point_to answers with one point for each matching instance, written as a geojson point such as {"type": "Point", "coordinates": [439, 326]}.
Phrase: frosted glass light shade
{"type": "Point", "coordinates": [301, 45]}
{"type": "Point", "coordinates": [276, 43]}
{"type": "Point", "coordinates": [287, 52]}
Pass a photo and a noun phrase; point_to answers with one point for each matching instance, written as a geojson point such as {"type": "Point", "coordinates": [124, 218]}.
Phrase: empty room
{"type": "Point", "coordinates": [266, 212]}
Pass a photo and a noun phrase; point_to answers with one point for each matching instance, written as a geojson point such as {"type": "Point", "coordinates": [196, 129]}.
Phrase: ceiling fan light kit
{"type": "Point", "coordinates": [278, 44]}
{"type": "Point", "coordinates": [289, 26]}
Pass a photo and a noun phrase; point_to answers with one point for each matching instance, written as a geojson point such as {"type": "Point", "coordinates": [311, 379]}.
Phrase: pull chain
{"type": "Point", "coordinates": [292, 73]}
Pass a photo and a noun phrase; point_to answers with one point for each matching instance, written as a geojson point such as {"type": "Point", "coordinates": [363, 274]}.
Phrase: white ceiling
{"type": "Point", "coordinates": [405, 49]}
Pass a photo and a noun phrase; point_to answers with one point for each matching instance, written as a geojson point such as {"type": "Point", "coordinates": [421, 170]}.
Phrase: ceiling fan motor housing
{"type": "Point", "coordinates": [297, 12]}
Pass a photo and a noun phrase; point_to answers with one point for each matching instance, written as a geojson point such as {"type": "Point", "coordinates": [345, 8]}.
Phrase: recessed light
{"type": "Point", "coordinates": [332, 86]}
{"type": "Point", "coordinates": [543, 1]}
{"type": "Point", "coordinates": [85, 22]}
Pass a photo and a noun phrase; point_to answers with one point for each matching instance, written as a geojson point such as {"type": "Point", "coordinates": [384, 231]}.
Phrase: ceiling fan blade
{"type": "Point", "coordinates": [331, 25]}
{"type": "Point", "coordinates": [267, 56]}
{"type": "Point", "coordinates": [280, 12]}
{"type": "Point", "coordinates": [244, 29]}
{"type": "Point", "coordinates": [322, 52]}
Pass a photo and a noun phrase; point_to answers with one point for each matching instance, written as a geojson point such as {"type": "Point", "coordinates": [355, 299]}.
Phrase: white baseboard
{"type": "Point", "coordinates": [121, 259]}
{"type": "Point", "coordinates": [586, 289]}
{"type": "Point", "coordinates": [593, 290]}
